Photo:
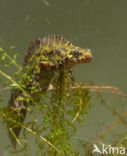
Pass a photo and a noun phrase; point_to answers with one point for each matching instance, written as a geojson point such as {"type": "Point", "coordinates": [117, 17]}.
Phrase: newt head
{"type": "Point", "coordinates": [78, 56]}
{"type": "Point", "coordinates": [55, 52]}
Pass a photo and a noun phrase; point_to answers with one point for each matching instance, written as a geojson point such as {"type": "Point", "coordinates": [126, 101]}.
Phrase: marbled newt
{"type": "Point", "coordinates": [44, 57]}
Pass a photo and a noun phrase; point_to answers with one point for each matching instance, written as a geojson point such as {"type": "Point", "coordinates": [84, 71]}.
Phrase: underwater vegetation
{"type": "Point", "coordinates": [47, 105]}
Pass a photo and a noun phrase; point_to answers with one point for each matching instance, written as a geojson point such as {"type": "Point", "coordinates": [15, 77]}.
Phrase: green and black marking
{"type": "Point", "coordinates": [44, 57]}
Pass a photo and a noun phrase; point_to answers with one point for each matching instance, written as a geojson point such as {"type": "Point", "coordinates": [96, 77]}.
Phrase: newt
{"type": "Point", "coordinates": [43, 59]}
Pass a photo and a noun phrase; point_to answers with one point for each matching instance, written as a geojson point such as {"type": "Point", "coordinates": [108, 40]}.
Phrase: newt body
{"type": "Point", "coordinates": [43, 59]}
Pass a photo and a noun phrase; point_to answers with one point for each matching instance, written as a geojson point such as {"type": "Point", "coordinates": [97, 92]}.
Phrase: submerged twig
{"type": "Point", "coordinates": [98, 88]}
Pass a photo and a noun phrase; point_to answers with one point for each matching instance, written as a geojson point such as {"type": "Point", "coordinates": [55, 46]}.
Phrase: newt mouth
{"type": "Point", "coordinates": [87, 59]}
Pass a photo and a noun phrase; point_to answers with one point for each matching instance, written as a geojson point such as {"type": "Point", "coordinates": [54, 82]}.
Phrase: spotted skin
{"type": "Point", "coordinates": [44, 57]}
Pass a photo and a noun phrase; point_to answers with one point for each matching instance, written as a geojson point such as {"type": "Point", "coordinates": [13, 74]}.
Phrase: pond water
{"type": "Point", "coordinates": [96, 24]}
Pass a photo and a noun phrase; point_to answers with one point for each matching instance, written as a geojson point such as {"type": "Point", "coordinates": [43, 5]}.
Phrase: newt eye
{"type": "Point", "coordinates": [76, 53]}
